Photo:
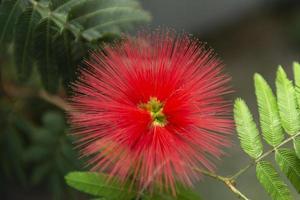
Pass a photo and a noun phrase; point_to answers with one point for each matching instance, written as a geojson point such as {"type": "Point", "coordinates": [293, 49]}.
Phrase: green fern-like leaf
{"type": "Point", "coordinates": [286, 99]}
{"type": "Point", "coordinates": [268, 112]}
{"type": "Point", "coordinates": [290, 165]}
{"type": "Point", "coordinates": [113, 17]}
{"type": "Point", "coordinates": [97, 184]}
{"type": "Point", "coordinates": [44, 35]}
{"type": "Point", "coordinates": [68, 54]}
{"type": "Point", "coordinates": [56, 3]}
{"type": "Point", "coordinates": [276, 115]}
{"type": "Point", "coordinates": [247, 130]}
{"type": "Point", "coordinates": [296, 142]}
{"type": "Point", "coordinates": [9, 11]}
{"type": "Point", "coordinates": [73, 25]}
{"type": "Point", "coordinates": [296, 68]}
{"type": "Point", "coordinates": [94, 19]}
{"type": "Point", "coordinates": [23, 44]}
{"type": "Point", "coordinates": [271, 181]}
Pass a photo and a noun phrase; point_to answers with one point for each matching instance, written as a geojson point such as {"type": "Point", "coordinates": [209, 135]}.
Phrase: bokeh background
{"type": "Point", "coordinates": [249, 36]}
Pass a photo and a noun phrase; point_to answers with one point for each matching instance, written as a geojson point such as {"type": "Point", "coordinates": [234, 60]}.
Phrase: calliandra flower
{"type": "Point", "coordinates": [151, 109]}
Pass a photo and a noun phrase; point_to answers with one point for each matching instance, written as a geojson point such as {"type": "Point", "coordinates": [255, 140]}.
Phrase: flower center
{"type": "Point", "coordinates": [155, 109]}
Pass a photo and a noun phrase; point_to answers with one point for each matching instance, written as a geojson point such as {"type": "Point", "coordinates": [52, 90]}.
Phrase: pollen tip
{"type": "Point", "coordinates": [155, 108]}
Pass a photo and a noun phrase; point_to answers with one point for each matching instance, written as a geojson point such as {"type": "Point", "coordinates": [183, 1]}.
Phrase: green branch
{"type": "Point", "coordinates": [230, 182]}
{"type": "Point", "coordinates": [243, 170]}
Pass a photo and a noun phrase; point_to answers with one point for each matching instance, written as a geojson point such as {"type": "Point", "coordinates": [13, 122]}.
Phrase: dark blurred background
{"type": "Point", "coordinates": [249, 36]}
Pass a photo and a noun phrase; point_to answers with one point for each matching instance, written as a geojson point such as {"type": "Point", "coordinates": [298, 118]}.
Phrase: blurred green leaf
{"type": "Point", "coordinates": [290, 165]}
{"type": "Point", "coordinates": [23, 44]}
{"type": "Point", "coordinates": [40, 172]}
{"type": "Point", "coordinates": [43, 37]}
{"type": "Point", "coordinates": [54, 122]}
{"type": "Point", "coordinates": [97, 18]}
{"type": "Point", "coordinates": [12, 146]}
{"type": "Point", "coordinates": [56, 186]}
{"type": "Point", "coordinates": [68, 53]}
{"type": "Point", "coordinates": [36, 153]}
{"type": "Point", "coordinates": [60, 157]}
{"type": "Point", "coordinates": [9, 11]}
{"type": "Point", "coordinates": [55, 35]}
{"type": "Point", "coordinates": [43, 136]}
{"type": "Point", "coordinates": [182, 193]}
{"type": "Point", "coordinates": [97, 184]}
{"type": "Point", "coordinates": [187, 193]}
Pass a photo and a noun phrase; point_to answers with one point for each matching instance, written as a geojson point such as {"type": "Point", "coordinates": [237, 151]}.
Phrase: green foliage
{"type": "Point", "coordinates": [268, 112]}
{"type": "Point", "coordinates": [182, 193]}
{"type": "Point", "coordinates": [186, 193]}
{"type": "Point", "coordinates": [33, 154]}
{"type": "Point", "coordinates": [287, 104]}
{"type": "Point", "coordinates": [54, 35]}
{"type": "Point", "coordinates": [46, 60]}
{"type": "Point", "coordinates": [297, 89]}
{"type": "Point", "coordinates": [12, 146]}
{"type": "Point", "coordinates": [23, 45]}
{"type": "Point", "coordinates": [297, 146]}
{"type": "Point", "coordinates": [46, 40]}
{"type": "Point", "coordinates": [247, 130]}
{"type": "Point", "coordinates": [9, 11]}
{"type": "Point", "coordinates": [101, 185]}
{"type": "Point", "coordinates": [50, 153]}
{"type": "Point", "coordinates": [275, 115]}
{"type": "Point", "coordinates": [296, 68]}
{"type": "Point", "coordinates": [271, 181]}
{"type": "Point", "coordinates": [97, 184]}
{"type": "Point", "coordinates": [290, 165]}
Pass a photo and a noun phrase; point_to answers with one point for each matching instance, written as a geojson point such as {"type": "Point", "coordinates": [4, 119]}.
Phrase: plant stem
{"type": "Point", "coordinates": [55, 100]}
{"type": "Point", "coordinates": [230, 183]}
{"type": "Point", "coordinates": [12, 90]}
{"type": "Point", "coordinates": [243, 170]}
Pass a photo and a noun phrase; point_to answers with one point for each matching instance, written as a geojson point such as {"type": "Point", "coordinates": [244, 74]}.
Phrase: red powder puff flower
{"type": "Point", "coordinates": [151, 109]}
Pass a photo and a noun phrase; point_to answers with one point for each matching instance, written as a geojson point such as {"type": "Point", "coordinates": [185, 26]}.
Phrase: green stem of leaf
{"type": "Point", "coordinates": [46, 12]}
{"type": "Point", "coordinates": [243, 170]}
{"type": "Point", "coordinates": [230, 182]}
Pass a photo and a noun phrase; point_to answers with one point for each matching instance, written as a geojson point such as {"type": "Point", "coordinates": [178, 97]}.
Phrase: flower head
{"type": "Point", "coordinates": [152, 108]}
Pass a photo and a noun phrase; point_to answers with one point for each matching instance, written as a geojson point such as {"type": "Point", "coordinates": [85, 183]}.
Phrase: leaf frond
{"type": "Point", "coordinates": [272, 183]}
{"type": "Point", "coordinates": [247, 130]}
{"type": "Point", "coordinates": [98, 184]}
{"type": "Point", "coordinates": [290, 165]}
{"type": "Point", "coordinates": [268, 112]}
{"type": "Point", "coordinates": [287, 105]}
